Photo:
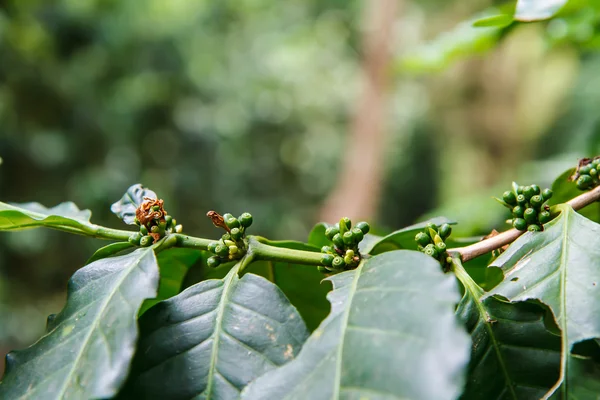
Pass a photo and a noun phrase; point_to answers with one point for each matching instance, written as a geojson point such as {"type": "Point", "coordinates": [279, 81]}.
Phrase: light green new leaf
{"type": "Point", "coordinates": [536, 10]}
{"type": "Point", "coordinates": [558, 267]}
{"type": "Point", "coordinates": [391, 334]}
{"type": "Point", "coordinates": [513, 356]}
{"type": "Point", "coordinates": [33, 215]}
{"type": "Point", "coordinates": [131, 200]}
{"type": "Point", "coordinates": [88, 346]}
{"type": "Point", "coordinates": [212, 339]}
{"type": "Point", "coordinates": [498, 21]}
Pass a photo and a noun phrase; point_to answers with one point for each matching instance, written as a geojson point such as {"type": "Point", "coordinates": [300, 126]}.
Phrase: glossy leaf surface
{"type": "Point", "coordinates": [131, 200]}
{"type": "Point", "coordinates": [215, 337]}
{"type": "Point", "coordinates": [88, 346]}
{"type": "Point", "coordinates": [391, 334]}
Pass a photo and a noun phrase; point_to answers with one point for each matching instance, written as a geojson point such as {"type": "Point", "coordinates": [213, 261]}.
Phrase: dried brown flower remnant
{"type": "Point", "coordinates": [217, 220]}
{"type": "Point", "coordinates": [151, 213]}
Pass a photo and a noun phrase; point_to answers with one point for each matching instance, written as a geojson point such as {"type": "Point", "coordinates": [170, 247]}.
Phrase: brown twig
{"type": "Point", "coordinates": [485, 246]}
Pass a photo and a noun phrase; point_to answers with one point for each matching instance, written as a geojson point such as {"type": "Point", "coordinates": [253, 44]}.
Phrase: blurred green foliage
{"type": "Point", "coordinates": [244, 106]}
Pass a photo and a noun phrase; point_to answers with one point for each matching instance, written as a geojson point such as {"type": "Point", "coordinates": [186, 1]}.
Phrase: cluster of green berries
{"type": "Point", "coordinates": [586, 177]}
{"type": "Point", "coordinates": [527, 207]}
{"type": "Point", "coordinates": [432, 242]}
{"type": "Point", "coordinates": [344, 254]}
{"type": "Point", "coordinates": [154, 223]}
{"type": "Point", "coordinates": [231, 246]}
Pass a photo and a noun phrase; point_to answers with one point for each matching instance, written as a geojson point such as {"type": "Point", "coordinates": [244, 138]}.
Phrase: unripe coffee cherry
{"type": "Point", "coordinates": [346, 221]}
{"type": "Point", "coordinates": [585, 170]}
{"type": "Point", "coordinates": [446, 230]}
{"type": "Point", "coordinates": [364, 227]}
{"type": "Point", "coordinates": [430, 250]}
{"type": "Point", "coordinates": [226, 236]}
{"type": "Point", "coordinates": [246, 219]}
{"type": "Point", "coordinates": [338, 241]}
{"type": "Point", "coordinates": [530, 215]}
{"type": "Point", "coordinates": [143, 230]}
{"type": "Point", "coordinates": [357, 235]}
{"type": "Point", "coordinates": [146, 241]}
{"type": "Point", "coordinates": [331, 232]}
{"type": "Point", "coordinates": [547, 194]}
{"type": "Point", "coordinates": [545, 217]}
{"type": "Point", "coordinates": [534, 228]}
{"type": "Point", "coordinates": [155, 229]}
{"type": "Point", "coordinates": [348, 238]}
{"type": "Point", "coordinates": [213, 262]}
{"type": "Point", "coordinates": [327, 259]}
{"type": "Point", "coordinates": [226, 216]}
{"type": "Point", "coordinates": [232, 223]}
{"type": "Point", "coordinates": [233, 250]}
{"type": "Point", "coordinates": [222, 250]}
{"type": "Point", "coordinates": [338, 262]}
{"type": "Point", "coordinates": [518, 211]}
{"type": "Point", "coordinates": [212, 246]}
{"type": "Point", "coordinates": [536, 189]}
{"type": "Point", "coordinates": [536, 201]}
{"type": "Point", "coordinates": [432, 226]}
{"type": "Point", "coordinates": [584, 182]}
{"type": "Point", "coordinates": [322, 269]}
{"type": "Point", "coordinates": [509, 197]}
{"type": "Point", "coordinates": [440, 247]}
{"type": "Point", "coordinates": [236, 234]}
{"type": "Point", "coordinates": [521, 199]}
{"type": "Point", "coordinates": [519, 224]}
{"type": "Point", "coordinates": [423, 239]}
{"type": "Point", "coordinates": [326, 249]}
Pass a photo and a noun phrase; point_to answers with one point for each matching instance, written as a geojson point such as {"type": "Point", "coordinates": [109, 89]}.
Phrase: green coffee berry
{"type": "Point", "coordinates": [338, 241]}
{"type": "Point", "coordinates": [143, 230]}
{"type": "Point", "coordinates": [226, 236]}
{"type": "Point", "coordinates": [327, 259]}
{"type": "Point", "coordinates": [530, 215]}
{"type": "Point", "coordinates": [233, 250]}
{"type": "Point", "coordinates": [326, 249]}
{"type": "Point", "coordinates": [357, 235]}
{"type": "Point", "coordinates": [350, 253]}
{"type": "Point", "coordinates": [246, 219]}
{"type": "Point", "coordinates": [534, 228]}
{"type": "Point", "coordinates": [229, 243]}
{"type": "Point", "coordinates": [155, 229]}
{"type": "Point", "coordinates": [519, 224]}
{"type": "Point", "coordinates": [226, 216]}
{"type": "Point", "coordinates": [364, 227]}
{"type": "Point", "coordinates": [521, 199]}
{"type": "Point", "coordinates": [536, 189]}
{"type": "Point", "coordinates": [585, 170]}
{"type": "Point", "coordinates": [155, 208]}
{"type": "Point", "coordinates": [331, 232]}
{"type": "Point", "coordinates": [213, 262]}
{"type": "Point", "coordinates": [348, 238]}
{"type": "Point", "coordinates": [430, 250]}
{"type": "Point", "coordinates": [136, 221]}
{"type": "Point", "coordinates": [519, 189]}
{"type": "Point", "coordinates": [536, 201]}
{"type": "Point", "coordinates": [338, 262]}
{"type": "Point", "coordinates": [347, 223]}
{"type": "Point", "coordinates": [322, 269]}
{"type": "Point", "coordinates": [547, 194]}
{"type": "Point", "coordinates": [518, 211]}
{"type": "Point", "coordinates": [146, 241]}
{"type": "Point", "coordinates": [222, 250]}
{"type": "Point", "coordinates": [232, 223]}
{"type": "Point", "coordinates": [422, 239]}
{"type": "Point", "coordinates": [545, 217]}
{"type": "Point", "coordinates": [236, 234]}
{"type": "Point", "coordinates": [168, 219]}
{"type": "Point", "coordinates": [584, 182]}
{"type": "Point", "coordinates": [212, 246]}
{"type": "Point", "coordinates": [431, 226]}
{"type": "Point", "coordinates": [135, 238]}
{"type": "Point", "coordinates": [348, 260]}
{"type": "Point", "coordinates": [440, 247]}
{"type": "Point", "coordinates": [446, 230]}
{"type": "Point", "coordinates": [509, 197]}
{"type": "Point", "coordinates": [593, 172]}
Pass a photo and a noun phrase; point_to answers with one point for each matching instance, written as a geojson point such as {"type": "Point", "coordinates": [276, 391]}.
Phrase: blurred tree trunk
{"type": "Point", "coordinates": [358, 188]}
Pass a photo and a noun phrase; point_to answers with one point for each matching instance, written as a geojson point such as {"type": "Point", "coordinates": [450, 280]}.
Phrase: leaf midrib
{"type": "Point", "coordinates": [218, 327]}
{"type": "Point", "coordinates": [96, 321]}
{"type": "Point", "coordinates": [344, 323]}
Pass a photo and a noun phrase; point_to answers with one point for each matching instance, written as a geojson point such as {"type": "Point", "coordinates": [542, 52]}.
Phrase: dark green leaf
{"type": "Point", "coordinates": [499, 21]}
{"type": "Point", "coordinates": [109, 250]}
{"type": "Point", "coordinates": [33, 215]}
{"type": "Point", "coordinates": [391, 334]}
{"type": "Point", "coordinates": [558, 267]}
{"type": "Point", "coordinates": [536, 10]}
{"type": "Point", "coordinates": [173, 264]}
{"type": "Point", "coordinates": [131, 200]}
{"type": "Point", "coordinates": [213, 338]}
{"type": "Point", "coordinates": [513, 356]}
{"type": "Point", "coordinates": [88, 346]}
